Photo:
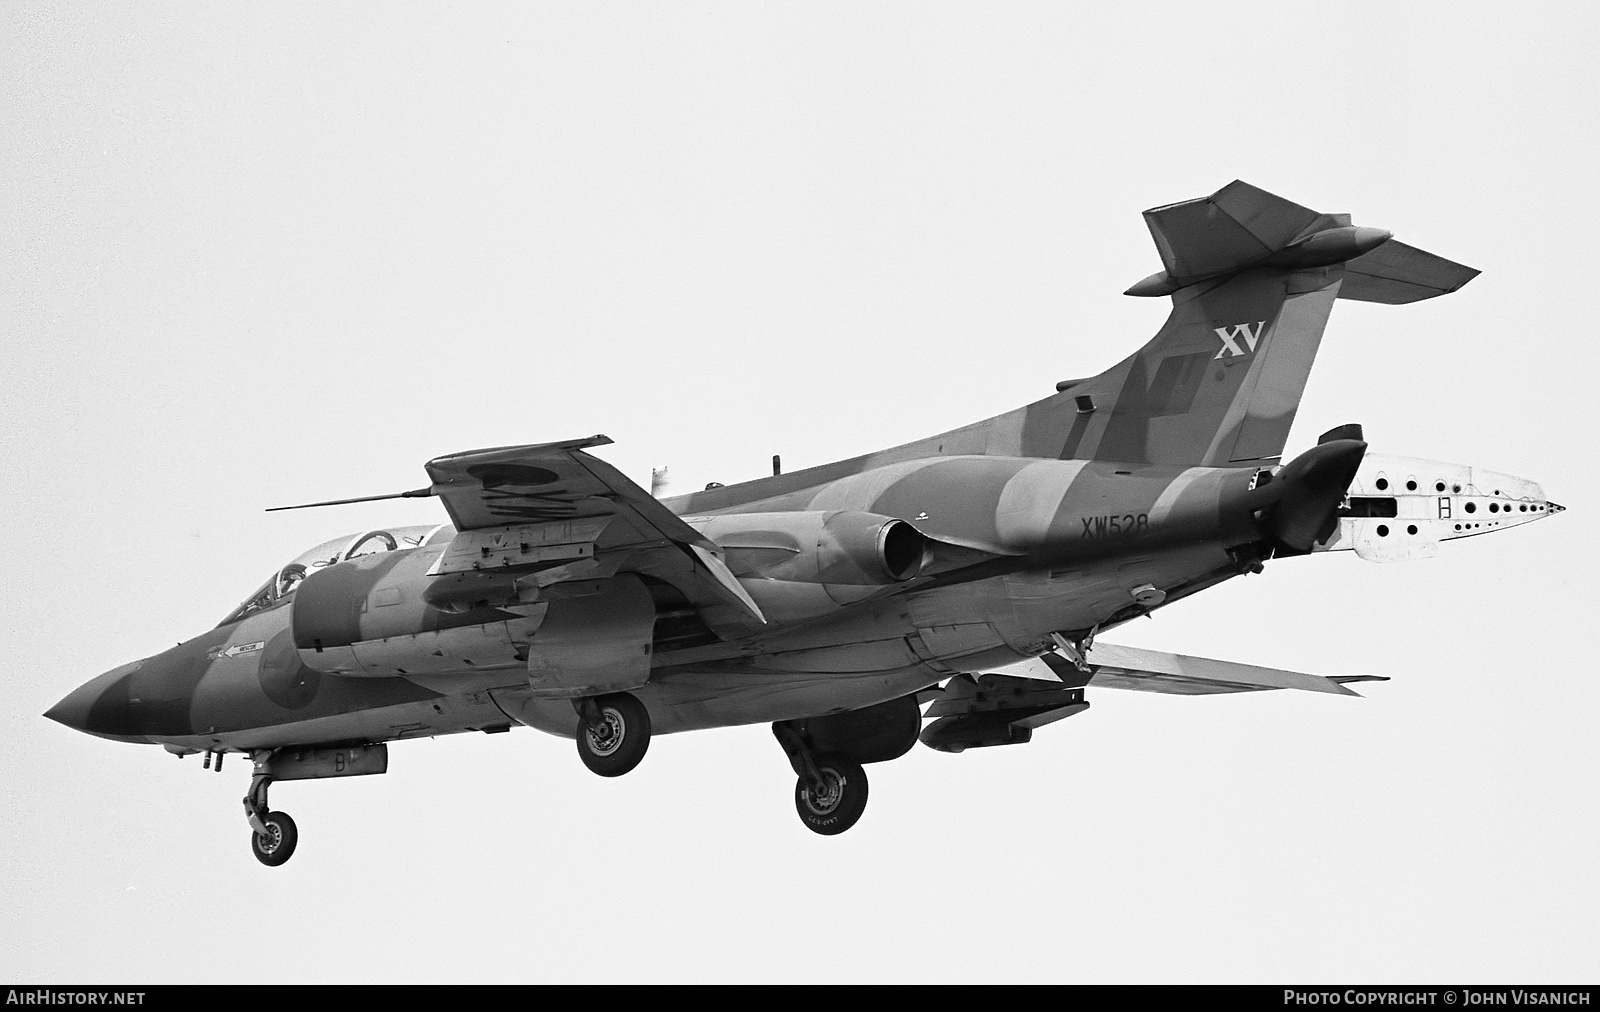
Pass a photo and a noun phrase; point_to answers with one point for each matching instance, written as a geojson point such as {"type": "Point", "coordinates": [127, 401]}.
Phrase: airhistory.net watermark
{"type": "Point", "coordinates": [48, 997]}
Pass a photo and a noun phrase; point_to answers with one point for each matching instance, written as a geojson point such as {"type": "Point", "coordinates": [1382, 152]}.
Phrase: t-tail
{"type": "Point", "coordinates": [1252, 279]}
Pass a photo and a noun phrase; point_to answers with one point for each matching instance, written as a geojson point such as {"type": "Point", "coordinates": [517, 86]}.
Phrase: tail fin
{"type": "Point", "coordinates": [1252, 278]}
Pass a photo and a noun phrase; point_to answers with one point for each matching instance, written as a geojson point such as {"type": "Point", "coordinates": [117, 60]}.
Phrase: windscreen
{"type": "Point", "coordinates": [281, 585]}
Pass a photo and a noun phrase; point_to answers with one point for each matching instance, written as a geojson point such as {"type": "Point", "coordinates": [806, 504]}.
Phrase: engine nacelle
{"type": "Point", "coordinates": [800, 565]}
{"type": "Point", "coordinates": [834, 547]}
{"type": "Point", "coordinates": [368, 616]}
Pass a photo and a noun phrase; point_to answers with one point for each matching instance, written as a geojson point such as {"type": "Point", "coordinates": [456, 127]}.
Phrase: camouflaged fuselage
{"type": "Point", "coordinates": [1119, 493]}
{"type": "Point", "coordinates": [1073, 540]}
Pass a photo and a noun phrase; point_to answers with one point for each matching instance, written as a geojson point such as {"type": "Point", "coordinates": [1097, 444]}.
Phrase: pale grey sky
{"type": "Point", "coordinates": [252, 255]}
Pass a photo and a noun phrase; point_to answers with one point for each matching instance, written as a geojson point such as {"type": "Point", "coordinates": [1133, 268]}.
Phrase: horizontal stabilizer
{"type": "Point", "coordinates": [1395, 274]}
{"type": "Point", "coordinates": [1233, 228]}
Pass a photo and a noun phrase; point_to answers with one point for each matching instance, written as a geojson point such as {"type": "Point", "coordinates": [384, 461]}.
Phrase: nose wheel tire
{"type": "Point", "coordinates": [613, 734]}
{"type": "Point", "coordinates": [276, 845]}
{"type": "Point", "coordinates": [838, 802]}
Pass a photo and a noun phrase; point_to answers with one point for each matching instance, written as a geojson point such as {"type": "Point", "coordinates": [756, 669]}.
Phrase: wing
{"type": "Point", "coordinates": [532, 517]}
{"type": "Point", "coordinates": [974, 711]}
{"type": "Point", "coordinates": [1118, 667]}
{"type": "Point", "coordinates": [542, 483]}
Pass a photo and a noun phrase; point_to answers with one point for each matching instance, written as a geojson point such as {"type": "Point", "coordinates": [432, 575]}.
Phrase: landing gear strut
{"type": "Point", "coordinates": [1076, 649]}
{"type": "Point", "coordinates": [275, 835]}
{"type": "Point", "coordinates": [613, 733]}
{"type": "Point", "coordinates": [831, 792]}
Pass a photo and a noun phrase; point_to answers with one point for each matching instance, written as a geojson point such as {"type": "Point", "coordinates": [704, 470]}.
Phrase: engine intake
{"type": "Point", "coordinates": [800, 565]}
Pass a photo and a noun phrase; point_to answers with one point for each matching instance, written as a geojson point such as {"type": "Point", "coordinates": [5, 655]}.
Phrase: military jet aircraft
{"type": "Point", "coordinates": [858, 606]}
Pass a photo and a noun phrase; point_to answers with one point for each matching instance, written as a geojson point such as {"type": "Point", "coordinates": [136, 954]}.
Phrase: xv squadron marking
{"type": "Point", "coordinates": [1230, 337]}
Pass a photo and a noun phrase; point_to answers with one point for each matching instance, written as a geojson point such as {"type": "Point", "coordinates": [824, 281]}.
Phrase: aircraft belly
{"type": "Point", "coordinates": [887, 619]}
{"type": "Point", "coordinates": [1085, 596]}
{"type": "Point", "coordinates": [694, 700]}
{"type": "Point", "coordinates": [443, 715]}
{"type": "Point", "coordinates": [841, 659]}
{"type": "Point", "coordinates": [1042, 603]}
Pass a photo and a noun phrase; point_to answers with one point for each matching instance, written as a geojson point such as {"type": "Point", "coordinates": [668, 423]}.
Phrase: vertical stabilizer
{"type": "Point", "coordinates": [1219, 384]}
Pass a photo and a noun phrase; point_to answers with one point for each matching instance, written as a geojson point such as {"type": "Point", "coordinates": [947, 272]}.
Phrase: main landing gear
{"type": "Point", "coordinates": [275, 835]}
{"type": "Point", "coordinates": [830, 793]}
{"type": "Point", "coordinates": [832, 802]}
{"type": "Point", "coordinates": [613, 733]}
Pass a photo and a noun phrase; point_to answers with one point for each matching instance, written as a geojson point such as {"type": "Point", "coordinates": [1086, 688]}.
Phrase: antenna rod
{"type": "Point", "coordinates": [777, 464]}
{"type": "Point", "coordinates": [416, 493]}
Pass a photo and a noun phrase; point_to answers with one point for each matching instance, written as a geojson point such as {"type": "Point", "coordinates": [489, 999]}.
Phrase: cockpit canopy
{"type": "Point", "coordinates": [282, 584]}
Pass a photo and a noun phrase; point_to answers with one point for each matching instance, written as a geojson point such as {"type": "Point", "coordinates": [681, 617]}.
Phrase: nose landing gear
{"type": "Point", "coordinates": [276, 844]}
{"type": "Point", "coordinates": [275, 835]}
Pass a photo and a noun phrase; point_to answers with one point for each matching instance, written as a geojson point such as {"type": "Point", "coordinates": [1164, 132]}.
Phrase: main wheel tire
{"type": "Point", "coordinates": [841, 801]}
{"type": "Point", "coordinates": [615, 743]}
{"type": "Point", "coordinates": [277, 846]}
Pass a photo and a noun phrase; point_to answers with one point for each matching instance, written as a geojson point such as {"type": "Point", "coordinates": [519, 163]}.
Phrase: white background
{"type": "Point", "coordinates": [268, 254]}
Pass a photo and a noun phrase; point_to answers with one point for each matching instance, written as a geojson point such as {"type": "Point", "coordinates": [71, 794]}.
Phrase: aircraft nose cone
{"type": "Point", "coordinates": [100, 705]}
{"type": "Point", "coordinates": [73, 710]}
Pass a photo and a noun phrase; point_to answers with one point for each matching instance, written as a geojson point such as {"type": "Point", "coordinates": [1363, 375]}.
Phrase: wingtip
{"type": "Point", "coordinates": [1343, 682]}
